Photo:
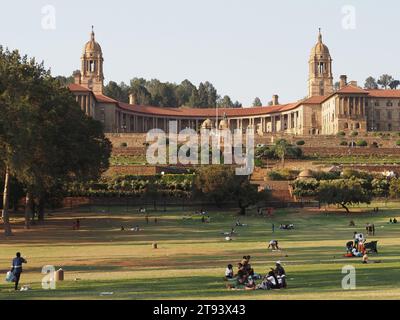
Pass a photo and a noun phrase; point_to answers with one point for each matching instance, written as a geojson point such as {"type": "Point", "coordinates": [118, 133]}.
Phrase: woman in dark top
{"type": "Point", "coordinates": [17, 268]}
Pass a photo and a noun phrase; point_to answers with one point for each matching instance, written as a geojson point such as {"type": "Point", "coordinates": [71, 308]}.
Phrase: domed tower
{"type": "Point", "coordinates": [320, 81]}
{"type": "Point", "coordinates": [91, 74]}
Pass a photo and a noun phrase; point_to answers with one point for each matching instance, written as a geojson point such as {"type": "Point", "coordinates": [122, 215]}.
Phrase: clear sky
{"type": "Point", "coordinates": [246, 48]}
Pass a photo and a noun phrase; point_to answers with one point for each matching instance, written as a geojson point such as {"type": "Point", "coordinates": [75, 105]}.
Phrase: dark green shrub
{"type": "Point", "coordinates": [344, 143]}
{"type": "Point", "coordinates": [341, 134]}
{"type": "Point", "coordinates": [398, 143]}
{"type": "Point", "coordinates": [354, 134]}
{"type": "Point", "coordinates": [123, 145]}
{"type": "Point", "coordinates": [362, 143]}
{"type": "Point", "coordinates": [301, 143]}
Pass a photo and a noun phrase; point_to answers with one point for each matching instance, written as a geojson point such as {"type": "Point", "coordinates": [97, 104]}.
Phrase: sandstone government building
{"type": "Point", "coordinates": [325, 111]}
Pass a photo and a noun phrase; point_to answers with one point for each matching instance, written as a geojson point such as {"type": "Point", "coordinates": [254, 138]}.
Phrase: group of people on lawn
{"type": "Point", "coordinates": [246, 279]}
{"type": "Point", "coordinates": [356, 248]}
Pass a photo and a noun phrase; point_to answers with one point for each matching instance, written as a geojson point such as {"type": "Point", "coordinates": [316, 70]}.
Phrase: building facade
{"type": "Point", "coordinates": [326, 110]}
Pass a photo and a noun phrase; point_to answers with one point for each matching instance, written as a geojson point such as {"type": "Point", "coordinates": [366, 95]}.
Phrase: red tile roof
{"type": "Point", "coordinates": [352, 89]}
{"type": "Point", "coordinates": [207, 112]}
{"type": "Point", "coordinates": [315, 100]}
{"type": "Point", "coordinates": [379, 93]}
{"type": "Point", "coordinates": [77, 88]}
{"type": "Point", "coordinates": [104, 99]}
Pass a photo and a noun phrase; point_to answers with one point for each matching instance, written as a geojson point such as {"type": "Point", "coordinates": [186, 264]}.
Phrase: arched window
{"type": "Point", "coordinates": [346, 125]}
{"type": "Point", "coordinates": [357, 126]}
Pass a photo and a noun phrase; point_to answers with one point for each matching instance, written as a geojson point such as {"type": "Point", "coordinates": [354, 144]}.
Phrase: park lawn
{"type": "Point", "coordinates": [192, 256]}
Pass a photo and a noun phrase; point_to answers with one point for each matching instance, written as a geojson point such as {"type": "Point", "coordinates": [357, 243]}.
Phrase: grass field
{"type": "Point", "coordinates": [192, 256]}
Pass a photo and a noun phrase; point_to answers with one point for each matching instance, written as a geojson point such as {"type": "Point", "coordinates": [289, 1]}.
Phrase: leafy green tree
{"type": "Point", "coordinates": [380, 188]}
{"type": "Point", "coordinates": [344, 192]}
{"type": "Point", "coordinates": [184, 92]}
{"type": "Point", "coordinates": [370, 83]}
{"type": "Point", "coordinates": [119, 92]}
{"type": "Point", "coordinates": [394, 188]}
{"type": "Point", "coordinates": [394, 84]}
{"type": "Point", "coordinates": [140, 93]}
{"type": "Point", "coordinates": [282, 148]}
{"type": "Point", "coordinates": [257, 102]}
{"type": "Point", "coordinates": [221, 184]}
{"type": "Point", "coordinates": [385, 80]}
{"type": "Point", "coordinates": [225, 102]}
{"type": "Point", "coordinates": [162, 94]}
{"type": "Point", "coordinates": [46, 138]}
{"type": "Point", "coordinates": [207, 95]}
{"type": "Point", "coordinates": [65, 81]}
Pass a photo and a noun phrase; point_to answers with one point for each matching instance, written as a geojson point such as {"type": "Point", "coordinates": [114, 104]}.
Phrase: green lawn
{"type": "Point", "coordinates": [192, 256]}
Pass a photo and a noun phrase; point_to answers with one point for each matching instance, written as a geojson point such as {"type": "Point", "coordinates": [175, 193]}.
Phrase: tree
{"type": "Point", "coordinates": [370, 83]}
{"type": "Point", "coordinates": [207, 95]}
{"type": "Point", "coordinates": [385, 80]}
{"type": "Point", "coordinates": [281, 149]}
{"type": "Point", "coordinates": [119, 92]}
{"type": "Point", "coordinates": [141, 95]}
{"type": "Point", "coordinates": [215, 183]}
{"type": "Point", "coordinates": [65, 81]}
{"type": "Point", "coordinates": [344, 192]}
{"type": "Point", "coordinates": [184, 92]}
{"type": "Point", "coordinates": [336, 86]}
{"type": "Point", "coordinates": [394, 84]}
{"type": "Point", "coordinates": [394, 188]}
{"type": "Point", "coordinates": [221, 184]}
{"type": "Point", "coordinates": [45, 137]}
{"type": "Point", "coordinates": [246, 194]}
{"type": "Point", "coordinates": [162, 94]}
{"type": "Point", "coordinates": [225, 102]}
{"type": "Point", "coordinates": [237, 104]}
{"type": "Point", "coordinates": [257, 102]}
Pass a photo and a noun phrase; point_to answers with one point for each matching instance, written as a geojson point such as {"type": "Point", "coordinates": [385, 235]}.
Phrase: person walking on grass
{"type": "Point", "coordinates": [16, 268]}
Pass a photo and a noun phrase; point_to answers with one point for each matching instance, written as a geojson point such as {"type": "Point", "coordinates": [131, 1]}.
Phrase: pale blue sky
{"type": "Point", "coordinates": [246, 48]}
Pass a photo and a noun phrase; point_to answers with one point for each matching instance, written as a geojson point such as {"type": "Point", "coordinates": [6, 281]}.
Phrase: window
{"type": "Point", "coordinates": [389, 104]}
{"type": "Point", "coordinates": [377, 114]}
{"type": "Point", "coordinates": [92, 66]}
{"type": "Point", "coordinates": [389, 127]}
{"type": "Point", "coordinates": [321, 68]}
{"type": "Point", "coordinates": [389, 114]}
{"type": "Point", "coordinates": [377, 104]}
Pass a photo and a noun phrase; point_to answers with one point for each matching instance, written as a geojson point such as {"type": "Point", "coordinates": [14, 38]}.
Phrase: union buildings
{"type": "Point", "coordinates": [324, 111]}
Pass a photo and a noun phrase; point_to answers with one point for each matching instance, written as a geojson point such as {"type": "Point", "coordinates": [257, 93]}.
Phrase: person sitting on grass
{"type": "Point", "coordinates": [356, 253]}
{"type": "Point", "coordinates": [349, 246]}
{"type": "Point", "coordinates": [395, 221]}
{"type": "Point", "coordinates": [281, 274]}
{"type": "Point", "coordinates": [229, 272]}
{"type": "Point", "coordinates": [274, 245]}
{"type": "Point", "coordinates": [250, 284]}
{"type": "Point", "coordinates": [272, 281]}
{"type": "Point", "coordinates": [366, 260]}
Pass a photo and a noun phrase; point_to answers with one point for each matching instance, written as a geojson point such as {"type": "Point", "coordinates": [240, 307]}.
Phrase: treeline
{"type": "Point", "coordinates": [347, 188]}
{"type": "Point", "coordinates": [166, 94]}
{"type": "Point", "coordinates": [215, 184]}
{"type": "Point", "coordinates": [384, 81]}
{"type": "Point", "coordinates": [46, 141]}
